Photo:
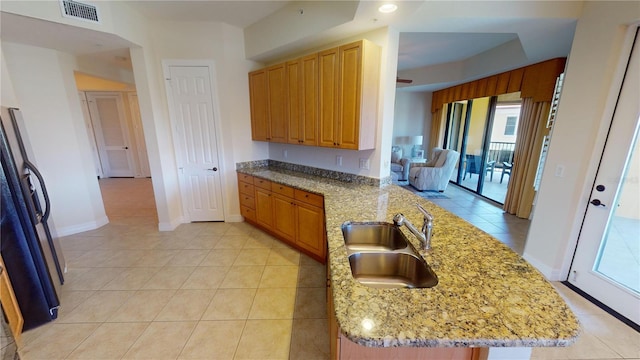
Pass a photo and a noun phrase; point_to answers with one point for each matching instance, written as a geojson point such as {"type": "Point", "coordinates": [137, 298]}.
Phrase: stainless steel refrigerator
{"type": "Point", "coordinates": [32, 255]}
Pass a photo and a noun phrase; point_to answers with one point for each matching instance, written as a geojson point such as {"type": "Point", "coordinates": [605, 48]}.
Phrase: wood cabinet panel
{"type": "Point", "coordinates": [282, 190]}
{"type": "Point", "coordinates": [262, 183]}
{"type": "Point", "coordinates": [347, 135]}
{"type": "Point", "coordinates": [309, 65]}
{"type": "Point", "coordinates": [284, 220]}
{"type": "Point", "coordinates": [309, 198]}
{"type": "Point", "coordinates": [259, 105]}
{"type": "Point", "coordinates": [245, 188]}
{"type": "Point", "coordinates": [294, 104]}
{"type": "Point", "coordinates": [248, 213]}
{"type": "Point", "coordinates": [245, 178]}
{"type": "Point", "coordinates": [277, 100]}
{"type": "Point", "coordinates": [264, 208]}
{"type": "Point", "coordinates": [310, 229]}
{"type": "Point", "coordinates": [327, 100]}
{"type": "Point", "coordinates": [248, 201]}
{"type": "Point", "coordinates": [10, 305]}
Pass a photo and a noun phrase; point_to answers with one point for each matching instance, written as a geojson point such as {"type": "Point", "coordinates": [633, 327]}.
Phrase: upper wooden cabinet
{"type": "Point", "coordinates": [302, 82]}
{"type": "Point", "coordinates": [268, 92]}
{"type": "Point", "coordinates": [259, 107]}
{"type": "Point", "coordinates": [330, 100]}
{"type": "Point", "coordinates": [277, 95]}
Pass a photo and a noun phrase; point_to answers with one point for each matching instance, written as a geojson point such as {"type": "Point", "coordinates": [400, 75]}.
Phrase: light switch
{"type": "Point", "coordinates": [338, 160]}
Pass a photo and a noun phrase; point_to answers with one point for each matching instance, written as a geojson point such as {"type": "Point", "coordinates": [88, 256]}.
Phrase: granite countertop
{"type": "Point", "coordinates": [487, 295]}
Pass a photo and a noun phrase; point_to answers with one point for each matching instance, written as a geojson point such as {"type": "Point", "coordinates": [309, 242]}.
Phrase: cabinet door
{"type": "Point", "coordinates": [349, 96]}
{"type": "Point", "coordinates": [309, 65]}
{"type": "Point", "coordinates": [264, 208]}
{"type": "Point", "coordinates": [294, 105]}
{"type": "Point", "coordinates": [327, 99]}
{"type": "Point", "coordinates": [311, 229]}
{"type": "Point", "coordinates": [259, 107]}
{"type": "Point", "coordinates": [277, 95]}
{"type": "Point", "coordinates": [284, 220]}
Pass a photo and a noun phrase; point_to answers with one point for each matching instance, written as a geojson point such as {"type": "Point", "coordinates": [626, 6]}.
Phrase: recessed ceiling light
{"type": "Point", "coordinates": [388, 8]}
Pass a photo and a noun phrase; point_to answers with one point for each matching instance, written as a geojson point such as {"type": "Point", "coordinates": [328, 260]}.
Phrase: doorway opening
{"type": "Point", "coordinates": [483, 131]}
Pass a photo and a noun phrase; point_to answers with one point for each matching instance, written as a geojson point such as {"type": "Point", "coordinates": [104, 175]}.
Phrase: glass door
{"type": "Point", "coordinates": [606, 263]}
{"type": "Point", "coordinates": [483, 131]}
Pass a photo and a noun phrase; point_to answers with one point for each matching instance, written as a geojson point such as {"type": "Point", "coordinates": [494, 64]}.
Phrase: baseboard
{"type": "Point", "coordinates": [548, 272]}
{"type": "Point", "coordinates": [234, 218]}
{"type": "Point", "coordinates": [171, 225]}
{"type": "Point", "coordinates": [602, 306]}
{"type": "Point", "coordinates": [78, 228]}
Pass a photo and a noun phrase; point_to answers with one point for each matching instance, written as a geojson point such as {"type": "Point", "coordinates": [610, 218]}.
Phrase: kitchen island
{"type": "Point", "coordinates": [487, 296]}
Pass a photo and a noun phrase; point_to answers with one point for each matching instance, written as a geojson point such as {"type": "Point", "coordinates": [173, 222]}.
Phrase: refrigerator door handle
{"type": "Point", "coordinates": [38, 175]}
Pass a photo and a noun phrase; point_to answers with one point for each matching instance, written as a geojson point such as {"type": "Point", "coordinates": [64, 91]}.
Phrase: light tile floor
{"type": "Point", "coordinates": [229, 291]}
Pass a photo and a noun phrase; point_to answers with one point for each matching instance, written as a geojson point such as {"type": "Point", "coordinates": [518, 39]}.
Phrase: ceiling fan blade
{"type": "Point", "coordinates": [405, 81]}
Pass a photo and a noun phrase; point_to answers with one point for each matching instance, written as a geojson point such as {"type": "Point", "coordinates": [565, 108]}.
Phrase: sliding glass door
{"type": "Point", "coordinates": [483, 131]}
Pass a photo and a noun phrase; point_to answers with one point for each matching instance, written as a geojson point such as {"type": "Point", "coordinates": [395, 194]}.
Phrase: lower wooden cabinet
{"type": "Point", "coordinates": [294, 216]}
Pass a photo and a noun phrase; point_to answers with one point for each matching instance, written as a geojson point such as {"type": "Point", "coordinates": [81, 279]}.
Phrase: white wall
{"type": "Point", "coordinates": [584, 113]}
{"type": "Point", "coordinates": [222, 44]}
{"type": "Point", "coordinates": [412, 116]}
{"type": "Point", "coordinates": [44, 89]}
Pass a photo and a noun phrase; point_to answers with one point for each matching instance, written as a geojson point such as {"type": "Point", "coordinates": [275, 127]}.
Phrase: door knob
{"type": "Point", "coordinates": [597, 202]}
{"type": "Point", "coordinates": [600, 188]}
{"type": "Point", "coordinates": [213, 169]}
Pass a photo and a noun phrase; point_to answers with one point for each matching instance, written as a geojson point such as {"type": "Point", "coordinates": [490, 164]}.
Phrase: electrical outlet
{"type": "Point", "coordinates": [364, 164]}
{"type": "Point", "coordinates": [338, 160]}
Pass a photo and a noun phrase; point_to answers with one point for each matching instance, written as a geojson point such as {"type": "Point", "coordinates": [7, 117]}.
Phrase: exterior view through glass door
{"type": "Point", "coordinates": [483, 131]}
{"type": "Point", "coordinates": [606, 263]}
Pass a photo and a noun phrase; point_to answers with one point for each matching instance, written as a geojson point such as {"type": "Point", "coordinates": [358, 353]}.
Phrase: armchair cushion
{"type": "Point", "coordinates": [399, 165]}
{"type": "Point", "coordinates": [435, 178]}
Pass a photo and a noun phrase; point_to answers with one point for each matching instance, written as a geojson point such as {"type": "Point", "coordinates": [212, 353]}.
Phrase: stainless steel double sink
{"type": "Point", "coordinates": [380, 256]}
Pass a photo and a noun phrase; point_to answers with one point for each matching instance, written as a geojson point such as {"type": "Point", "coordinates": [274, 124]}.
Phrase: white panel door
{"type": "Point", "coordinates": [112, 134]}
{"type": "Point", "coordinates": [90, 133]}
{"type": "Point", "coordinates": [606, 264]}
{"type": "Point", "coordinates": [196, 145]}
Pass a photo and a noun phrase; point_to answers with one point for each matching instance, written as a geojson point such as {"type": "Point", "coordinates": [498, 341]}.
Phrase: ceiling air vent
{"type": "Point", "coordinates": [78, 10]}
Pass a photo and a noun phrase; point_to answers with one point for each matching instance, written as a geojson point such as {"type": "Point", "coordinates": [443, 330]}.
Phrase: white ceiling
{"type": "Point", "coordinates": [240, 13]}
{"type": "Point", "coordinates": [431, 32]}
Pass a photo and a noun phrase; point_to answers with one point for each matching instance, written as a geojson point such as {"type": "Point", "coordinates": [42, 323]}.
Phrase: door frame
{"type": "Point", "coordinates": [587, 255]}
{"type": "Point", "coordinates": [99, 136]}
{"type": "Point", "coordinates": [598, 148]}
{"type": "Point", "coordinates": [217, 125]}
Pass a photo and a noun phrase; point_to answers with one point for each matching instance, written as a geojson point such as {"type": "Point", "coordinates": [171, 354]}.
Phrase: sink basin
{"type": "Point", "coordinates": [391, 270]}
{"type": "Point", "coordinates": [372, 237]}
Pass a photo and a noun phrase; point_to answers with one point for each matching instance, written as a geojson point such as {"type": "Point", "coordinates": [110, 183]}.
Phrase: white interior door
{"type": "Point", "coordinates": [607, 259]}
{"type": "Point", "coordinates": [195, 135]}
{"type": "Point", "coordinates": [112, 134]}
{"type": "Point", "coordinates": [90, 133]}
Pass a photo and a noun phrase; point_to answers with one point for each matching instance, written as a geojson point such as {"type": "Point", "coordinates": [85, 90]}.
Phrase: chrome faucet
{"type": "Point", "coordinates": [427, 227]}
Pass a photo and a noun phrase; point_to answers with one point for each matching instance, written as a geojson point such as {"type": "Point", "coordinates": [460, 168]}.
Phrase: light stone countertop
{"type": "Point", "coordinates": [487, 295]}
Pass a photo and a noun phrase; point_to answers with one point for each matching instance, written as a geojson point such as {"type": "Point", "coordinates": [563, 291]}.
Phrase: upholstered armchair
{"type": "Point", "coordinates": [399, 165]}
{"type": "Point", "coordinates": [435, 174]}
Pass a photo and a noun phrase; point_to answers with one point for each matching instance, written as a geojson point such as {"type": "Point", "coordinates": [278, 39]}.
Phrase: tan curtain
{"type": "Point", "coordinates": [531, 130]}
{"type": "Point", "coordinates": [436, 137]}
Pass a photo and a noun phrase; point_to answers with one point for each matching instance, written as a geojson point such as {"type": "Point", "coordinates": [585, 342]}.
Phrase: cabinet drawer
{"type": "Point", "coordinates": [309, 198]}
{"type": "Point", "coordinates": [246, 178]}
{"type": "Point", "coordinates": [262, 183]}
{"type": "Point", "coordinates": [248, 213]}
{"type": "Point", "coordinates": [248, 201]}
{"type": "Point", "coordinates": [282, 190]}
{"type": "Point", "coordinates": [245, 188]}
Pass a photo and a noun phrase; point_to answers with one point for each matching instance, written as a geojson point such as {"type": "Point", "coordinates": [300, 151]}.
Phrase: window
{"type": "Point", "coordinates": [510, 127]}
